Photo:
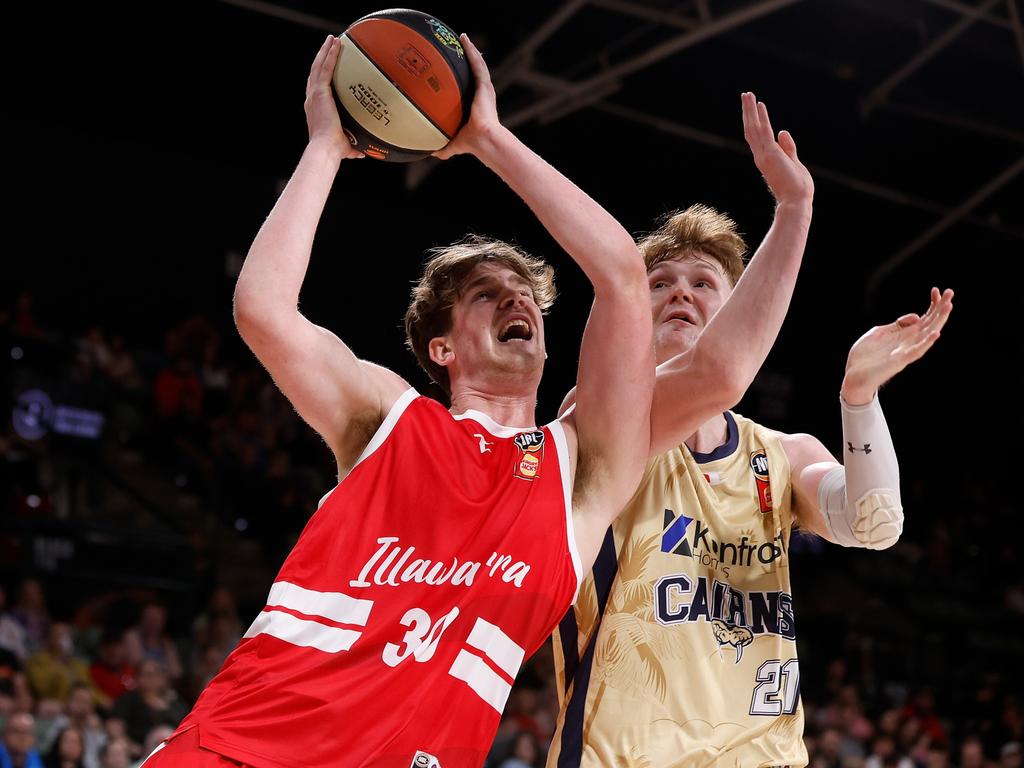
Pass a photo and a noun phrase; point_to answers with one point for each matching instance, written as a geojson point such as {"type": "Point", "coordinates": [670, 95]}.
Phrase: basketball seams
{"type": "Point", "coordinates": [424, 139]}
{"type": "Point", "coordinates": [408, 97]}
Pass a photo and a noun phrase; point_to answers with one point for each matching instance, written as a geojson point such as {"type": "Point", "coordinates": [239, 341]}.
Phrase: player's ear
{"type": "Point", "coordinates": [440, 351]}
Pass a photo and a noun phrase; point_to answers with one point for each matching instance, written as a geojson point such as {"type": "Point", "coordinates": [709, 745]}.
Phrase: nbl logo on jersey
{"type": "Point", "coordinates": [530, 454]}
{"type": "Point", "coordinates": [424, 760]}
{"type": "Point", "coordinates": [759, 465]}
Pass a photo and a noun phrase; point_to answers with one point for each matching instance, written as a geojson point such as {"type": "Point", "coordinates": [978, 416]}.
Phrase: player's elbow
{"type": "Point", "coordinates": [625, 274]}
{"type": "Point", "coordinates": [727, 380]}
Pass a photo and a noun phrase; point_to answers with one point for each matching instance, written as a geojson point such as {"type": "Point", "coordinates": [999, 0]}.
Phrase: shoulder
{"type": "Point", "coordinates": [801, 445]}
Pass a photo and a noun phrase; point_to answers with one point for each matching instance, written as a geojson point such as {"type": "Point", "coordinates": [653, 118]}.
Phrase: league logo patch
{"type": "Point", "coordinates": [759, 464]}
{"type": "Point", "coordinates": [424, 760]}
{"type": "Point", "coordinates": [530, 454]}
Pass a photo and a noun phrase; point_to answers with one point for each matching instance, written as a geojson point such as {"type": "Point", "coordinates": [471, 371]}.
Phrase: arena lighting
{"type": "Point", "coordinates": [35, 414]}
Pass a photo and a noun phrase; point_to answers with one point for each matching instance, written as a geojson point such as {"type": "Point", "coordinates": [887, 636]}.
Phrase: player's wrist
{"type": "Point", "coordinates": [490, 141]}
{"type": "Point", "coordinates": [329, 147]}
{"type": "Point", "coordinates": [856, 393]}
{"type": "Point", "coordinates": [795, 205]}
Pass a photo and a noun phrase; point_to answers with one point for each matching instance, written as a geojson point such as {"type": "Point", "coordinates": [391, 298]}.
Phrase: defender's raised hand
{"type": "Point", "coordinates": [886, 350]}
{"type": "Point", "coordinates": [483, 115]}
{"type": "Point", "coordinates": [786, 176]}
{"type": "Point", "coordinates": [321, 113]}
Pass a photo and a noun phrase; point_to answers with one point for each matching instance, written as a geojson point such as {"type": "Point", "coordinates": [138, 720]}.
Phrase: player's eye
{"type": "Point", "coordinates": [659, 284]}
{"type": "Point", "coordinates": [702, 284]}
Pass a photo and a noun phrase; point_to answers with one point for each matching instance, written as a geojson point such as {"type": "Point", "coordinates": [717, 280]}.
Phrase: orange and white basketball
{"type": "Point", "coordinates": [403, 84]}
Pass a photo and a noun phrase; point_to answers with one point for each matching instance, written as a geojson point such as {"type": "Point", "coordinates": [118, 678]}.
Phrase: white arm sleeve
{"type": "Point", "coordinates": [870, 478]}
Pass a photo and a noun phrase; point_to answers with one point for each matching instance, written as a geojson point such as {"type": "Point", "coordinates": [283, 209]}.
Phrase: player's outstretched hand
{"type": "Point", "coordinates": [321, 113]}
{"type": "Point", "coordinates": [483, 114]}
{"type": "Point", "coordinates": [886, 350]}
{"type": "Point", "coordinates": [787, 177]}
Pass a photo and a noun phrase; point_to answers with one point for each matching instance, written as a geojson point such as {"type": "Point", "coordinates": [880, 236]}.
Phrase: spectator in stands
{"type": "Point", "coordinates": [23, 320]}
{"type": "Point", "coordinates": [17, 750]}
{"type": "Point", "coordinates": [153, 739]}
{"type": "Point", "coordinates": [149, 640]}
{"type": "Point", "coordinates": [151, 704]}
{"type": "Point", "coordinates": [972, 754]}
{"type": "Point", "coordinates": [884, 755]}
{"type": "Point", "coordinates": [12, 635]}
{"type": "Point", "coordinates": [81, 716]}
{"type": "Point", "coordinates": [30, 612]}
{"type": "Point", "coordinates": [67, 751]}
{"type": "Point", "coordinates": [523, 753]}
{"type": "Point", "coordinates": [55, 669]}
{"type": "Point", "coordinates": [827, 755]}
{"type": "Point", "coordinates": [117, 753]}
{"type": "Point", "coordinates": [922, 709]}
{"type": "Point", "coordinates": [120, 367]}
{"type": "Point", "coordinates": [1010, 755]}
{"type": "Point", "coordinates": [93, 354]}
{"type": "Point", "coordinates": [111, 673]}
{"type": "Point", "coordinates": [938, 756]}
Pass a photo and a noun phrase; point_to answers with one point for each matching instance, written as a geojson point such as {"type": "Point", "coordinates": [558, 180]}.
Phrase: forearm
{"type": "Point", "coordinates": [743, 331]}
{"type": "Point", "coordinates": [861, 500]}
{"type": "Point", "coordinates": [604, 250]}
{"type": "Point", "coordinates": [279, 256]}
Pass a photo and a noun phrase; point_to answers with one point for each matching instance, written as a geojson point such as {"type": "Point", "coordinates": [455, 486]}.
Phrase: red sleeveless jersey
{"type": "Point", "coordinates": [396, 626]}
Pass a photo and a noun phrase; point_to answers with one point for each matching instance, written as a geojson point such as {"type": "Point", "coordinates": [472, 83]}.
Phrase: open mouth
{"type": "Point", "coordinates": [684, 317]}
{"type": "Point", "coordinates": [515, 330]}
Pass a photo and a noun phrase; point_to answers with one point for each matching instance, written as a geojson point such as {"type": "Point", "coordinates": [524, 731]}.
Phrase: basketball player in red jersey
{"type": "Point", "coordinates": [456, 538]}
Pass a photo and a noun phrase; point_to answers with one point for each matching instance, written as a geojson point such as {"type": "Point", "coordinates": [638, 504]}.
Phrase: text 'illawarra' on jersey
{"type": "Point", "coordinates": [397, 624]}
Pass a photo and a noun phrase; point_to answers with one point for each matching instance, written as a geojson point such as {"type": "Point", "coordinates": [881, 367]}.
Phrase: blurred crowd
{"type": "Point", "coordinates": [96, 675]}
{"type": "Point", "coordinates": [89, 692]}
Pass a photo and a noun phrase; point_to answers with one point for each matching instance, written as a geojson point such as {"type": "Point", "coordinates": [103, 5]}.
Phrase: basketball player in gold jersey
{"type": "Point", "coordinates": [680, 651]}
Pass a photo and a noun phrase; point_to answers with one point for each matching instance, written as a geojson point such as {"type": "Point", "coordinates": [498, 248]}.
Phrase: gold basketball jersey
{"type": "Point", "coordinates": [680, 651]}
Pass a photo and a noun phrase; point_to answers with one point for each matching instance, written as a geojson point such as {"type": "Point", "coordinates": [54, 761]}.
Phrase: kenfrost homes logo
{"type": "Point", "coordinates": [711, 552]}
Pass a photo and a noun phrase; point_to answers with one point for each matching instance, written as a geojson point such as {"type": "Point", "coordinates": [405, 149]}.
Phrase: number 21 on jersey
{"type": "Point", "coordinates": [778, 689]}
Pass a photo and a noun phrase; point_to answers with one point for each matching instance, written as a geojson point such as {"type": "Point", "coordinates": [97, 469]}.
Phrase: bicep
{"type": "Point", "coordinates": [321, 377]}
{"type": "Point", "coordinates": [809, 462]}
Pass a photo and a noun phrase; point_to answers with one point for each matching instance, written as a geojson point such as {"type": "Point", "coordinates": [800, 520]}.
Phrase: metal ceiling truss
{"type": "Point", "coordinates": [559, 96]}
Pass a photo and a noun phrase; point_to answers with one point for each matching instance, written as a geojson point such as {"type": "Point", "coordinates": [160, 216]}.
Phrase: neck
{"type": "Point", "coordinates": [711, 434]}
{"type": "Point", "coordinates": [509, 410]}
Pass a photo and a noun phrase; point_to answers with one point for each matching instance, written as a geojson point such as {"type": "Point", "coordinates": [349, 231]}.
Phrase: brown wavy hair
{"type": "Point", "coordinates": [440, 286]}
{"type": "Point", "coordinates": [699, 228]}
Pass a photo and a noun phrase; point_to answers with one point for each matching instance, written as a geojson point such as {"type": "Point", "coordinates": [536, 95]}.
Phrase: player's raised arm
{"type": "Point", "coordinates": [857, 503]}
{"type": "Point", "coordinates": [713, 374]}
{"type": "Point", "coordinates": [338, 395]}
{"type": "Point", "coordinates": [616, 360]}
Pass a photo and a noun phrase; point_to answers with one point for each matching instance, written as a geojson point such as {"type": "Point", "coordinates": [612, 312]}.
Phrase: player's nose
{"type": "Point", "coordinates": [681, 293]}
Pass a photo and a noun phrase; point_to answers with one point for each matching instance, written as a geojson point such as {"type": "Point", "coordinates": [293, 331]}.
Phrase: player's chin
{"type": "Point", "coordinates": [674, 339]}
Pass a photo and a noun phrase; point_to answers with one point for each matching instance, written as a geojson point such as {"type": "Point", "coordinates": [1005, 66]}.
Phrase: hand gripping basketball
{"type": "Point", "coordinates": [483, 116]}
{"type": "Point", "coordinates": [321, 113]}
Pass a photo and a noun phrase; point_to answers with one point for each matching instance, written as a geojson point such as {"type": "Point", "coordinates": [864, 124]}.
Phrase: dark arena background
{"type": "Point", "coordinates": [153, 479]}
